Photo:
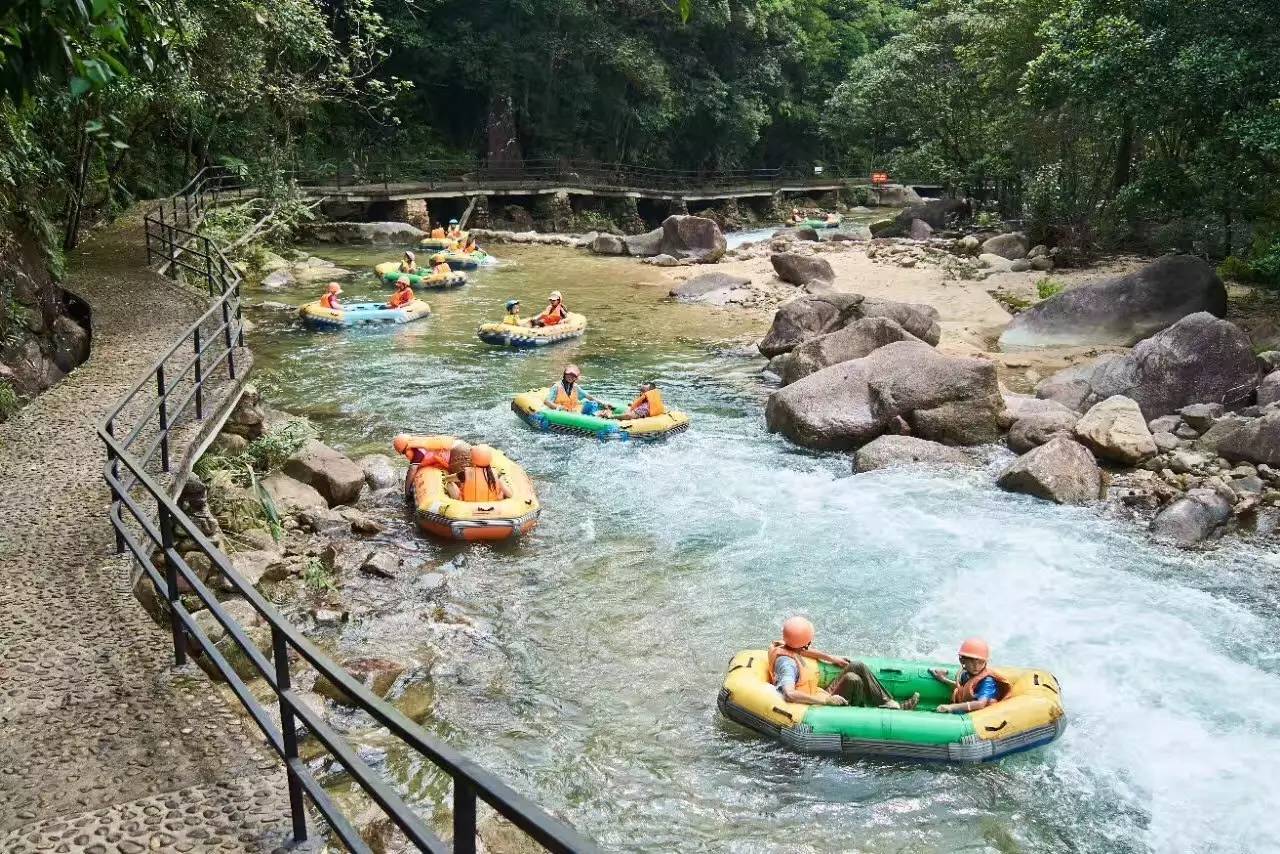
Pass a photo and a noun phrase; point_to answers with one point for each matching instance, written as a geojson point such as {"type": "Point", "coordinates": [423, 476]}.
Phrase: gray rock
{"type": "Point", "coordinates": [258, 567]}
{"type": "Point", "coordinates": [1192, 518]}
{"type": "Point", "coordinates": [1061, 470]}
{"type": "Point", "coordinates": [920, 230]}
{"type": "Point", "coordinates": [1114, 429]}
{"type": "Point", "coordinates": [830, 409]}
{"type": "Point", "coordinates": [323, 521]}
{"type": "Point", "coordinates": [1165, 442]}
{"type": "Point", "coordinates": [663, 260]}
{"type": "Point", "coordinates": [1043, 263]}
{"type": "Point", "coordinates": [383, 564]}
{"type": "Point", "coordinates": [376, 674]}
{"type": "Point", "coordinates": [699, 286]}
{"type": "Point", "coordinates": [1164, 424]}
{"type": "Point", "coordinates": [1186, 431]}
{"type": "Point", "coordinates": [935, 212]}
{"type": "Point", "coordinates": [70, 343]}
{"type": "Point", "coordinates": [996, 263]}
{"type": "Point", "coordinates": [379, 472]}
{"type": "Point", "coordinates": [1035, 430]}
{"type": "Point", "coordinates": [333, 475]}
{"type": "Point", "coordinates": [808, 317]}
{"type": "Point", "coordinates": [644, 245]}
{"type": "Point", "coordinates": [888, 451]}
{"type": "Point", "coordinates": [1120, 311]}
{"type": "Point", "coordinates": [1019, 406]}
{"type": "Point", "coordinates": [228, 444]}
{"type": "Point", "coordinates": [802, 232]}
{"type": "Point", "coordinates": [1269, 389]}
{"type": "Point", "coordinates": [361, 522]}
{"type": "Point", "coordinates": [693, 237]}
{"type": "Point", "coordinates": [380, 233]}
{"type": "Point", "coordinates": [1022, 265]}
{"type": "Point", "coordinates": [1256, 441]}
{"type": "Point", "coordinates": [917, 318]}
{"type": "Point", "coordinates": [1201, 416]}
{"type": "Point", "coordinates": [1011, 246]}
{"type": "Point", "coordinates": [797, 269]}
{"type": "Point", "coordinates": [608, 244]}
{"type": "Point", "coordinates": [854, 341]}
{"type": "Point", "coordinates": [291, 496]}
{"type": "Point", "coordinates": [1246, 486]}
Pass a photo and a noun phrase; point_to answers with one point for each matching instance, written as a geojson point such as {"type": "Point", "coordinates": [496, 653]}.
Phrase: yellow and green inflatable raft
{"type": "Point", "coordinates": [522, 335]}
{"type": "Point", "coordinates": [1029, 716]}
{"type": "Point", "coordinates": [532, 408]}
{"type": "Point", "coordinates": [389, 272]}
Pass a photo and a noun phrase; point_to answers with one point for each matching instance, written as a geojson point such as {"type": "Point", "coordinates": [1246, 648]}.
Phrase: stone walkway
{"type": "Point", "coordinates": [104, 747]}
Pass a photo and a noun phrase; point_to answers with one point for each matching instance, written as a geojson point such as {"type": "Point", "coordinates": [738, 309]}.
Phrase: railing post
{"type": "Point", "coordinates": [115, 474]}
{"type": "Point", "coordinates": [464, 817]}
{"type": "Point", "coordinates": [163, 394]}
{"type": "Point", "coordinates": [226, 329]}
{"type": "Point", "coordinates": [171, 581]}
{"type": "Point", "coordinates": [208, 266]}
{"type": "Point", "coordinates": [289, 734]}
{"type": "Point", "coordinates": [199, 376]}
{"type": "Point", "coordinates": [146, 228]}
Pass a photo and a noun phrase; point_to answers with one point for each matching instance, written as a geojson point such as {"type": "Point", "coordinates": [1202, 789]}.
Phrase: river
{"type": "Point", "coordinates": [606, 634]}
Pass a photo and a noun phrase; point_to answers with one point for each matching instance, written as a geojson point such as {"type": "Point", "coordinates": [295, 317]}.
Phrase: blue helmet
{"type": "Point", "coordinates": [512, 303]}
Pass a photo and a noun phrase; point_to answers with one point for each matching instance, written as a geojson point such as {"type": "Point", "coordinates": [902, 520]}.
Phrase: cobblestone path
{"type": "Point", "coordinates": [104, 747]}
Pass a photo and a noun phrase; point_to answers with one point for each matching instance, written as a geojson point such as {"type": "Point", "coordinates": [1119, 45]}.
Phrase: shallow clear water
{"type": "Point", "coordinates": [605, 635]}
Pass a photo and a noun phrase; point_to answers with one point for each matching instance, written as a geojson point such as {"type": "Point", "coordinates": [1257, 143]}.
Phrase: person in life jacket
{"type": "Point", "coordinates": [977, 687]}
{"type": "Point", "coordinates": [796, 216]}
{"type": "Point", "coordinates": [794, 671]}
{"type": "Point", "coordinates": [330, 298]}
{"type": "Point", "coordinates": [409, 263]}
{"type": "Point", "coordinates": [553, 313]}
{"type": "Point", "coordinates": [454, 231]}
{"type": "Point", "coordinates": [434, 451]}
{"type": "Point", "coordinates": [470, 247]}
{"type": "Point", "coordinates": [567, 394]}
{"type": "Point", "coordinates": [437, 233]}
{"type": "Point", "coordinates": [477, 481]}
{"type": "Point", "coordinates": [512, 317]}
{"type": "Point", "coordinates": [403, 295]}
{"type": "Point", "coordinates": [648, 404]}
{"type": "Point", "coordinates": [440, 267]}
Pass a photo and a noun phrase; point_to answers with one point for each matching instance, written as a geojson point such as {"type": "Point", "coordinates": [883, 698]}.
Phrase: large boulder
{"type": "Point", "coordinates": [800, 232]}
{"type": "Point", "coordinates": [70, 343]}
{"type": "Point", "coordinates": [608, 244]}
{"type": "Point", "coordinates": [1198, 359]}
{"type": "Point", "coordinates": [1035, 430]}
{"type": "Point", "coordinates": [854, 341]}
{"type": "Point", "coordinates": [644, 245]}
{"type": "Point", "coordinates": [1019, 406]}
{"type": "Point", "coordinates": [950, 399]}
{"type": "Point", "coordinates": [376, 674]}
{"type": "Point", "coordinates": [1256, 441]}
{"type": "Point", "coordinates": [380, 233]}
{"type": "Point", "coordinates": [1114, 429]}
{"type": "Point", "coordinates": [889, 451]}
{"type": "Point", "coordinates": [1011, 246]}
{"type": "Point", "coordinates": [332, 474]}
{"type": "Point", "coordinates": [693, 237]}
{"type": "Point", "coordinates": [808, 317]}
{"type": "Point", "coordinates": [797, 269]}
{"type": "Point", "coordinates": [1121, 311]}
{"type": "Point", "coordinates": [1269, 389]}
{"type": "Point", "coordinates": [1192, 518]}
{"type": "Point", "coordinates": [291, 496]}
{"type": "Point", "coordinates": [705, 285]}
{"type": "Point", "coordinates": [920, 230]}
{"type": "Point", "coordinates": [917, 318]}
{"type": "Point", "coordinates": [1061, 470]}
{"type": "Point", "coordinates": [379, 472]}
{"type": "Point", "coordinates": [935, 213]}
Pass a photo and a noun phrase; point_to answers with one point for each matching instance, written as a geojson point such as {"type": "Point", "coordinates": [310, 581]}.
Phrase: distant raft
{"type": "Point", "coordinates": [1029, 714]}
{"type": "Point", "coordinates": [358, 313]}
{"type": "Point", "coordinates": [532, 408]}
{"type": "Point", "coordinates": [456, 519]}
{"type": "Point", "coordinates": [441, 243]}
{"type": "Point", "coordinates": [464, 260]}
{"type": "Point", "coordinates": [833, 222]}
{"type": "Point", "coordinates": [512, 335]}
{"type": "Point", "coordinates": [389, 272]}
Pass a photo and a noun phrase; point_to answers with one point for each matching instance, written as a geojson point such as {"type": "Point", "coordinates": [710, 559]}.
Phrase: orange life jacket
{"type": "Point", "coordinates": [807, 682]}
{"type": "Point", "coordinates": [402, 296]}
{"type": "Point", "coordinates": [330, 301]}
{"type": "Point", "coordinates": [430, 451]}
{"type": "Point", "coordinates": [964, 693]}
{"type": "Point", "coordinates": [479, 483]}
{"type": "Point", "coordinates": [654, 397]}
{"type": "Point", "coordinates": [568, 401]}
{"type": "Point", "coordinates": [551, 316]}
{"type": "Point", "coordinates": [441, 269]}
{"type": "Point", "coordinates": [437, 233]}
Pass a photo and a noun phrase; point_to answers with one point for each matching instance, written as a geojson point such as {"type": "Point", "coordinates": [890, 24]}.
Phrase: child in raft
{"type": "Point", "coordinates": [330, 298]}
{"type": "Point", "coordinates": [440, 267]}
{"type": "Point", "coordinates": [977, 686]}
{"type": "Point", "coordinates": [403, 295]}
{"type": "Point", "coordinates": [647, 405]}
{"type": "Point", "coordinates": [512, 317]}
{"type": "Point", "coordinates": [470, 248]}
{"type": "Point", "coordinates": [553, 313]}
{"type": "Point", "coordinates": [471, 476]}
{"type": "Point", "coordinates": [409, 263]}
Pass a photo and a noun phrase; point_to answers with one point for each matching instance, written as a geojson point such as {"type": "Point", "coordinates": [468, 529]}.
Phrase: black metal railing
{"type": "Point", "coordinates": [149, 523]}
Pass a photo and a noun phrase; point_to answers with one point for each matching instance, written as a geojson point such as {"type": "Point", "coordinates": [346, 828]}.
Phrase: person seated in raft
{"type": "Point", "coordinates": [512, 317]}
{"type": "Point", "coordinates": [477, 481]}
{"type": "Point", "coordinates": [330, 298]}
{"type": "Point", "coordinates": [832, 219]}
{"type": "Point", "coordinates": [437, 233]}
{"type": "Point", "coordinates": [977, 687]}
{"type": "Point", "coordinates": [647, 405]}
{"type": "Point", "coordinates": [470, 247]}
{"type": "Point", "coordinates": [440, 267]}
{"type": "Point", "coordinates": [794, 671]}
{"type": "Point", "coordinates": [569, 396]}
{"type": "Point", "coordinates": [437, 456]}
{"type": "Point", "coordinates": [454, 231]}
{"type": "Point", "coordinates": [403, 295]}
{"type": "Point", "coordinates": [553, 313]}
{"type": "Point", "coordinates": [409, 263]}
{"type": "Point", "coordinates": [796, 216]}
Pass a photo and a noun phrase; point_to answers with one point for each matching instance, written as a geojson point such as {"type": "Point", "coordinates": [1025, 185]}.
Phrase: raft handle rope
{"type": "Point", "coordinates": [782, 711]}
{"type": "Point", "coordinates": [1003, 724]}
{"type": "Point", "coordinates": [1036, 679]}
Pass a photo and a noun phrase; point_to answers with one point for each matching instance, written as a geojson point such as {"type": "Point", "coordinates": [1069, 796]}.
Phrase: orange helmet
{"type": "Point", "coordinates": [797, 632]}
{"type": "Point", "coordinates": [335, 288]}
{"type": "Point", "coordinates": [400, 443]}
{"type": "Point", "coordinates": [573, 369]}
{"type": "Point", "coordinates": [975, 648]}
{"type": "Point", "coordinates": [481, 455]}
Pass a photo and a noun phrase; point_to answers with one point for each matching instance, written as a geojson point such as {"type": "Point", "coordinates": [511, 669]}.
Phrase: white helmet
{"type": "Point", "coordinates": [555, 295]}
{"type": "Point", "coordinates": [409, 255]}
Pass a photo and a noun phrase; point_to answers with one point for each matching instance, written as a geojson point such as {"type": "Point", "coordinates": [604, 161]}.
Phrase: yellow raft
{"type": "Point", "coordinates": [1029, 715]}
{"type": "Point", "coordinates": [442, 242]}
{"type": "Point", "coordinates": [510, 335]}
{"type": "Point", "coordinates": [453, 518]}
{"type": "Point", "coordinates": [532, 408]}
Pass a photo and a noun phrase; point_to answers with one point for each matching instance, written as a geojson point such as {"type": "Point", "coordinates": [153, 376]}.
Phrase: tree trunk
{"type": "Point", "coordinates": [1124, 157]}
{"type": "Point", "coordinates": [75, 200]}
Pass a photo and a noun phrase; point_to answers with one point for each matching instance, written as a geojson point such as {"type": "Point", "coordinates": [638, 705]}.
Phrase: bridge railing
{"type": "Point", "coordinates": [149, 524]}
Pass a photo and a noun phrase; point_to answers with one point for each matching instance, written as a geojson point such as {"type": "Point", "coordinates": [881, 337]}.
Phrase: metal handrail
{"type": "Point", "coordinates": [150, 537]}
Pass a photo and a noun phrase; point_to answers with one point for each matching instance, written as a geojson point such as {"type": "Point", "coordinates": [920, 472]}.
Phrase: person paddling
{"type": "Point", "coordinates": [977, 687]}
{"type": "Point", "coordinates": [330, 298]}
{"type": "Point", "coordinates": [403, 295]}
{"type": "Point", "coordinates": [794, 671]}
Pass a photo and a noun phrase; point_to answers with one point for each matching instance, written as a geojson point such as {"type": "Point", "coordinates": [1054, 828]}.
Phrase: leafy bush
{"type": "Point", "coordinates": [1048, 287]}
{"type": "Point", "coordinates": [1013, 303]}
{"type": "Point", "coordinates": [988, 219]}
{"type": "Point", "coordinates": [261, 456]}
{"type": "Point", "coordinates": [1262, 266]}
{"type": "Point", "coordinates": [594, 221]}
{"type": "Point", "coordinates": [318, 577]}
{"type": "Point", "coordinates": [8, 400]}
